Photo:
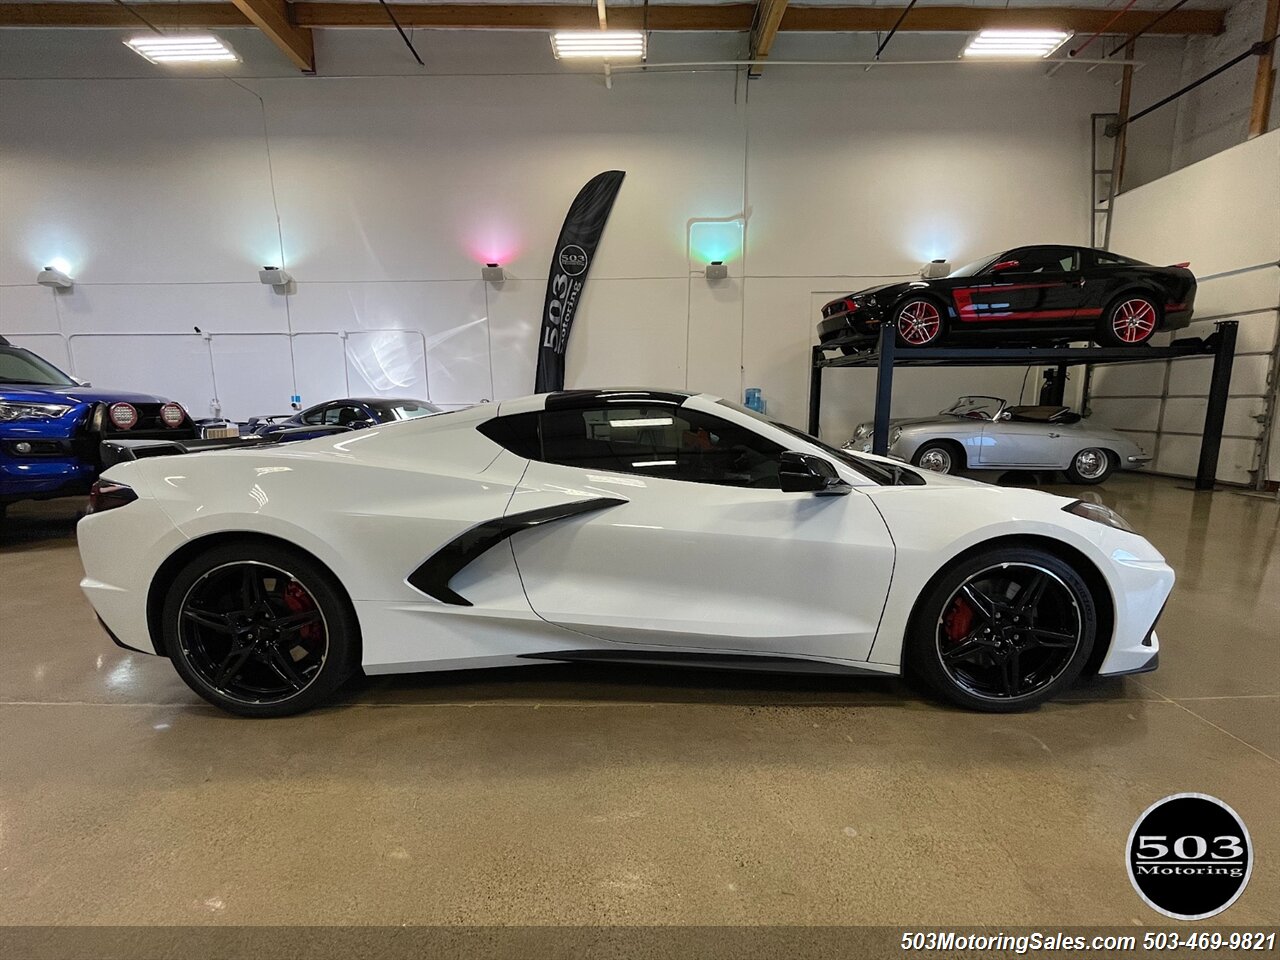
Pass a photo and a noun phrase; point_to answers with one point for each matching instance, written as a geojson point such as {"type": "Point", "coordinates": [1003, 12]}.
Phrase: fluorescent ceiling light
{"type": "Point", "coordinates": [598, 44]}
{"type": "Point", "coordinates": [643, 422]}
{"type": "Point", "coordinates": [1015, 43]}
{"type": "Point", "coordinates": [182, 48]}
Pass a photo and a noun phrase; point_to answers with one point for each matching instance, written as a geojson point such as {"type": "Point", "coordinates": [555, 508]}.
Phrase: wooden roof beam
{"type": "Point", "coordinates": [273, 17]}
{"type": "Point", "coordinates": [735, 17]}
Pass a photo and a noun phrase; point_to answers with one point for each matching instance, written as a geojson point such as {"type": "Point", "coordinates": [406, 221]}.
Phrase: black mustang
{"type": "Point", "coordinates": [1038, 294]}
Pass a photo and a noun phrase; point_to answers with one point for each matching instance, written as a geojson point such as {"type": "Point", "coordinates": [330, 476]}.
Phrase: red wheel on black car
{"type": "Point", "coordinates": [1130, 322]}
{"type": "Point", "coordinates": [918, 322]}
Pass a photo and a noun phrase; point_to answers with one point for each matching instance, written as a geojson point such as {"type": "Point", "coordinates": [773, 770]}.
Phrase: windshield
{"type": "Point", "coordinates": [407, 409]}
{"type": "Point", "coordinates": [971, 269]}
{"type": "Point", "coordinates": [884, 474]}
{"type": "Point", "coordinates": [23, 366]}
{"type": "Point", "coordinates": [976, 408]}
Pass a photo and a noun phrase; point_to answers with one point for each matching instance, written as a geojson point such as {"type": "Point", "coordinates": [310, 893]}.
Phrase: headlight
{"type": "Point", "coordinates": [862, 432]}
{"type": "Point", "coordinates": [31, 411]}
{"type": "Point", "coordinates": [1099, 514]}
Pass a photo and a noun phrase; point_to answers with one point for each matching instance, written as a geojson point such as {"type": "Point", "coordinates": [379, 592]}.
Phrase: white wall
{"type": "Point", "coordinates": [1223, 215]}
{"type": "Point", "coordinates": [382, 195]}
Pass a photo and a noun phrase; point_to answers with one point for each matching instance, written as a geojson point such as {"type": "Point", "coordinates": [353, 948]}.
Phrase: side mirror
{"type": "Point", "coordinates": [805, 473]}
{"type": "Point", "coordinates": [1004, 265]}
{"type": "Point", "coordinates": [1005, 415]}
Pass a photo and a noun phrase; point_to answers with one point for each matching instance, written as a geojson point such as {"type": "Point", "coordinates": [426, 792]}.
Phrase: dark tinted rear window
{"type": "Point", "coordinates": [518, 433]}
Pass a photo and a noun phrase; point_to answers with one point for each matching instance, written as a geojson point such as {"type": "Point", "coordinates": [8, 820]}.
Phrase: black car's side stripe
{"type": "Point", "coordinates": [434, 574]}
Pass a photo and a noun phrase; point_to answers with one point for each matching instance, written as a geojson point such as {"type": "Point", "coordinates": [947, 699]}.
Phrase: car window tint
{"type": "Point", "coordinates": [313, 415]}
{"type": "Point", "coordinates": [1046, 260]}
{"type": "Point", "coordinates": [518, 433]}
{"type": "Point", "coordinates": [660, 441]}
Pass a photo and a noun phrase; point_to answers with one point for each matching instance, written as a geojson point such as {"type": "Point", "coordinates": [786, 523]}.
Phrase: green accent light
{"type": "Point", "coordinates": [711, 240]}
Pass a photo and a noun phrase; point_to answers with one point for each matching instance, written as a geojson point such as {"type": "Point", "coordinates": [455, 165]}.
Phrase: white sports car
{"type": "Point", "coordinates": [628, 526]}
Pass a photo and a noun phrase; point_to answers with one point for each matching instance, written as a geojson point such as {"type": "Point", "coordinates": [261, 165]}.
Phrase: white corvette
{"type": "Point", "coordinates": [630, 526]}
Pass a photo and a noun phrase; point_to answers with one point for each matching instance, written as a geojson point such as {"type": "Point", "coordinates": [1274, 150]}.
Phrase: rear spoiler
{"type": "Point", "coordinates": [122, 451]}
{"type": "Point", "coordinates": [116, 451]}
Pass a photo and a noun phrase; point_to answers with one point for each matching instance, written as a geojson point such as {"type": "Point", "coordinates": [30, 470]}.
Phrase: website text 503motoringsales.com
{"type": "Point", "coordinates": [1234, 940]}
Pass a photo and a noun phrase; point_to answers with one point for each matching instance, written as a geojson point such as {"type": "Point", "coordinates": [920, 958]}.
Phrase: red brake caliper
{"type": "Point", "coordinates": [298, 601]}
{"type": "Point", "coordinates": [958, 620]}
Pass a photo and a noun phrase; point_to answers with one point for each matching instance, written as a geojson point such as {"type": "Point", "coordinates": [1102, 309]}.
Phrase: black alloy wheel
{"type": "Point", "coordinates": [259, 630]}
{"type": "Point", "coordinates": [1004, 630]}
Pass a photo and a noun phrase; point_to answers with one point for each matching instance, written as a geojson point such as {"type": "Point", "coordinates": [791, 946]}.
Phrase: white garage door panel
{"type": "Point", "coordinates": [27, 309]}
{"type": "Point", "coordinates": [1139, 380]}
{"type": "Point", "coordinates": [1191, 377]}
{"type": "Point", "coordinates": [1181, 455]}
{"type": "Point", "coordinates": [320, 361]}
{"type": "Point", "coordinates": [175, 367]}
{"type": "Point", "coordinates": [1255, 334]}
{"type": "Point", "coordinates": [390, 363]}
{"type": "Point", "coordinates": [254, 374]}
{"type": "Point", "coordinates": [1137, 414]}
{"type": "Point", "coordinates": [51, 346]}
{"type": "Point", "coordinates": [1238, 292]}
{"type": "Point", "coordinates": [1186, 415]}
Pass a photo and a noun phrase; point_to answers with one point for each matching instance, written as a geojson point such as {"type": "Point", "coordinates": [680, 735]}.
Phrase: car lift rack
{"type": "Point", "coordinates": [887, 355]}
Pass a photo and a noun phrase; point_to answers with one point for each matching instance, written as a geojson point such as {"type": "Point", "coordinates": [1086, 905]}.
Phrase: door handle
{"type": "Point", "coordinates": [1054, 436]}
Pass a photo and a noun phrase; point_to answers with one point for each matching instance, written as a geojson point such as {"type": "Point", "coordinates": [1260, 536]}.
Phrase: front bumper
{"type": "Point", "coordinates": [839, 324]}
{"type": "Point", "coordinates": [43, 476]}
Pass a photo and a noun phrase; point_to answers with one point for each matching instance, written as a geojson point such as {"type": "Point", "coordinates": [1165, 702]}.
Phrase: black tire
{"type": "Point", "coordinates": [1091, 465]}
{"type": "Point", "coordinates": [919, 322]}
{"type": "Point", "coordinates": [1131, 320]}
{"type": "Point", "coordinates": [940, 456]}
{"type": "Point", "coordinates": [1043, 666]}
{"type": "Point", "coordinates": [249, 634]}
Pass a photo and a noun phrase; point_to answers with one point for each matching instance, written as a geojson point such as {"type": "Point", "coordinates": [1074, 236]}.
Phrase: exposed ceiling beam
{"type": "Point", "coordinates": [768, 17]}
{"type": "Point", "coordinates": [273, 18]}
{"type": "Point", "coordinates": [533, 16]}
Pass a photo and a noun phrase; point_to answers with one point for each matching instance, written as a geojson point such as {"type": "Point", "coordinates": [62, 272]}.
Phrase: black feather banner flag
{"type": "Point", "coordinates": [574, 252]}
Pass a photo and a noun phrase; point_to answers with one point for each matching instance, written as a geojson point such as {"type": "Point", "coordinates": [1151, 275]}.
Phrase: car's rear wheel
{"type": "Point", "coordinates": [939, 456]}
{"type": "Point", "coordinates": [1004, 630]}
{"type": "Point", "coordinates": [260, 630]}
{"type": "Point", "coordinates": [1129, 322]}
{"type": "Point", "coordinates": [1091, 465]}
{"type": "Point", "coordinates": [919, 322]}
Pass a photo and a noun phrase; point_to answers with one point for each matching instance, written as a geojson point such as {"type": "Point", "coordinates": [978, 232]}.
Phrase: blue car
{"type": "Point", "coordinates": [51, 426]}
{"type": "Point", "coordinates": [338, 416]}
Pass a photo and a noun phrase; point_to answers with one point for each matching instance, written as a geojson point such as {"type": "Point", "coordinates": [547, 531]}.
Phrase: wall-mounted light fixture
{"type": "Point", "coordinates": [53, 277]}
{"type": "Point", "coordinates": [492, 273]}
{"type": "Point", "coordinates": [182, 48]}
{"type": "Point", "coordinates": [1015, 44]}
{"type": "Point", "coordinates": [935, 269]}
{"type": "Point", "coordinates": [275, 276]}
{"type": "Point", "coordinates": [598, 44]}
{"type": "Point", "coordinates": [717, 270]}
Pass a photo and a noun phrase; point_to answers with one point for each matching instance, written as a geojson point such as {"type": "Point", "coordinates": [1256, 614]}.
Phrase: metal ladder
{"type": "Point", "coordinates": [1103, 168]}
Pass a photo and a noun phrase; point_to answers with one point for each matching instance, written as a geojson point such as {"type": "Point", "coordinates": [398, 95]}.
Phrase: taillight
{"type": "Point", "coordinates": [123, 415]}
{"type": "Point", "coordinates": [107, 495]}
{"type": "Point", "coordinates": [172, 415]}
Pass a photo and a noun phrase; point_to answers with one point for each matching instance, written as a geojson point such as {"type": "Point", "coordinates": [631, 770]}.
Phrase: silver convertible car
{"type": "Point", "coordinates": [985, 433]}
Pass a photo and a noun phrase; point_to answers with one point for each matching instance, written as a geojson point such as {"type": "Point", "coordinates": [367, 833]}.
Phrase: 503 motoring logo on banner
{"type": "Point", "coordinates": [574, 251]}
{"type": "Point", "coordinates": [1189, 856]}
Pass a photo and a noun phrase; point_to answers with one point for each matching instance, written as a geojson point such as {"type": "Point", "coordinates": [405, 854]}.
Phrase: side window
{"type": "Point", "coordinates": [314, 415]}
{"type": "Point", "coordinates": [1111, 260]}
{"type": "Point", "coordinates": [660, 441]}
{"type": "Point", "coordinates": [518, 433]}
{"type": "Point", "coordinates": [1046, 260]}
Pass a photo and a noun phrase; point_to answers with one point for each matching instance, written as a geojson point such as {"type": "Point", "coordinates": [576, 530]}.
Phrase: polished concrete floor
{"type": "Point", "coordinates": [565, 795]}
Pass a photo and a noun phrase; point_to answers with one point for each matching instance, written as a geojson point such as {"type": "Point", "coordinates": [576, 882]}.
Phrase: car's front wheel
{"type": "Point", "coordinates": [260, 630]}
{"type": "Point", "coordinates": [939, 456]}
{"type": "Point", "coordinates": [919, 322]}
{"type": "Point", "coordinates": [1091, 465]}
{"type": "Point", "coordinates": [1003, 630]}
